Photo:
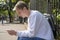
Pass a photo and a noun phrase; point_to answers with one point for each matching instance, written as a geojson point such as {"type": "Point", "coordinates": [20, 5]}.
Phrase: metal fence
{"type": "Point", "coordinates": [54, 9]}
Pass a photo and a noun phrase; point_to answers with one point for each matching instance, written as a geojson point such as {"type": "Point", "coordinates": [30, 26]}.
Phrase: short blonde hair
{"type": "Point", "coordinates": [20, 5]}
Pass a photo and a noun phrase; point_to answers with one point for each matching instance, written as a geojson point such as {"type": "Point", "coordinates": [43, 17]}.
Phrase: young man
{"type": "Point", "coordinates": [38, 26]}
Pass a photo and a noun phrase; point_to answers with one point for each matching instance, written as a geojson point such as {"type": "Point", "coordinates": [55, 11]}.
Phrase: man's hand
{"type": "Point", "coordinates": [12, 32]}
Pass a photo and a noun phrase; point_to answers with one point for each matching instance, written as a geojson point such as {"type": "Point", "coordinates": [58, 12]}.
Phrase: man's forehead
{"type": "Point", "coordinates": [18, 9]}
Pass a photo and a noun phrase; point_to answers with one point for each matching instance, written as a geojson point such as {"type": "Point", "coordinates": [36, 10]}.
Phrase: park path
{"type": "Point", "coordinates": [5, 36]}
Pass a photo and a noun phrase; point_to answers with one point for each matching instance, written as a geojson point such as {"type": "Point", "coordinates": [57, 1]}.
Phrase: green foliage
{"type": "Point", "coordinates": [12, 14]}
{"type": "Point", "coordinates": [58, 17]}
{"type": "Point", "coordinates": [5, 13]}
{"type": "Point", "coordinates": [54, 11]}
{"type": "Point", "coordinates": [13, 1]}
{"type": "Point", "coordinates": [27, 1]}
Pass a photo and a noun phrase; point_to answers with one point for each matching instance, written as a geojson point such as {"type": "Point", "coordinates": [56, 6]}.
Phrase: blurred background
{"type": "Point", "coordinates": [49, 8]}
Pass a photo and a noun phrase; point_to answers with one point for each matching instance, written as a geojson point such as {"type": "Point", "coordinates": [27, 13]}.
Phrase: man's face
{"type": "Point", "coordinates": [20, 12]}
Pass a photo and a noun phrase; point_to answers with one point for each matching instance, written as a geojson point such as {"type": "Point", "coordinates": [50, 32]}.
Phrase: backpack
{"type": "Point", "coordinates": [50, 19]}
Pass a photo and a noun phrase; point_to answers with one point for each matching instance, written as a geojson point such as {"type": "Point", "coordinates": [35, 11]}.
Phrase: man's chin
{"type": "Point", "coordinates": [23, 17]}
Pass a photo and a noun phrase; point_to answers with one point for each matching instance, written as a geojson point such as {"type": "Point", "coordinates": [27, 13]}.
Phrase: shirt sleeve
{"type": "Point", "coordinates": [30, 32]}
